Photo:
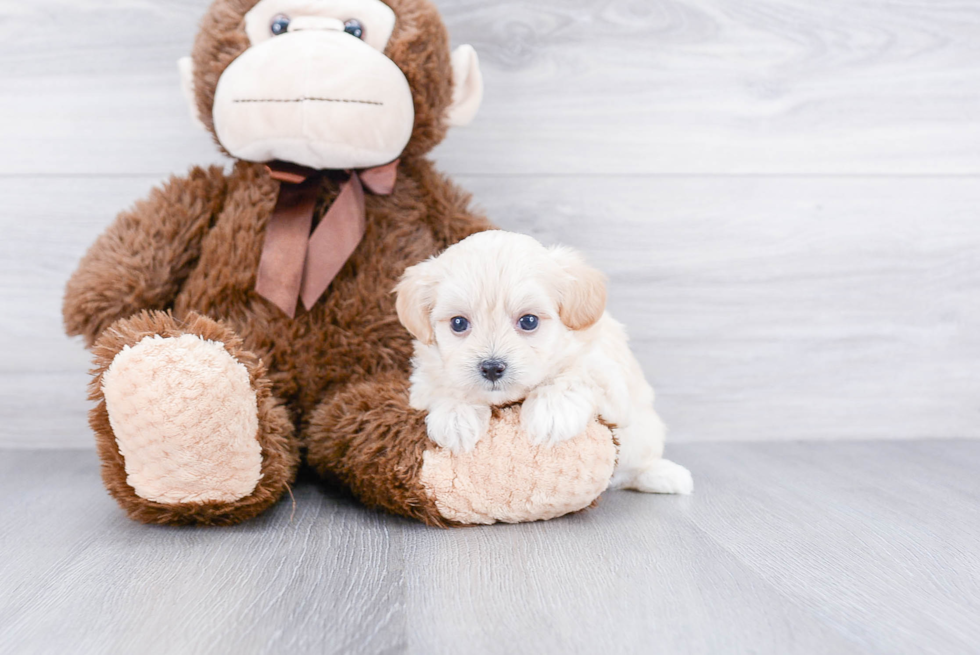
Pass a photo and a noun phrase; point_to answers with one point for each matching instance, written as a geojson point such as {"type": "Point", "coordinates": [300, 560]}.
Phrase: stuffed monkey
{"type": "Point", "coordinates": [242, 321]}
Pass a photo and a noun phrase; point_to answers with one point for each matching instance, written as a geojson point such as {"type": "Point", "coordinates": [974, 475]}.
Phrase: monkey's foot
{"type": "Point", "coordinates": [187, 428]}
{"type": "Point", "coordinates": [186, 420]}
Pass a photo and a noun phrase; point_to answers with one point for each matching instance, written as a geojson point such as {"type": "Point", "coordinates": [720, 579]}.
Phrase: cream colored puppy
{"type": "Point", "coordinates": [498, 319]}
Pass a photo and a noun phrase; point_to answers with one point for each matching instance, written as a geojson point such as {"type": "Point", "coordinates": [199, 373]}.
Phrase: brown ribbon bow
{"type": "Point", "coordinates": [296, 264]}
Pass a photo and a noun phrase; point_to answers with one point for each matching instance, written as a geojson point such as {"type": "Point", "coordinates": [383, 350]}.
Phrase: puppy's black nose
{"type": "Point", "coordinates": [492, 369]}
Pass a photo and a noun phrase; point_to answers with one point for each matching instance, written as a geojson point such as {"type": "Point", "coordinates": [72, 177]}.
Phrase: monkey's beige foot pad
{"type": "Point", "coordinates": [185, 419]}
{"type": "Point", "coordinates": [508, 479]}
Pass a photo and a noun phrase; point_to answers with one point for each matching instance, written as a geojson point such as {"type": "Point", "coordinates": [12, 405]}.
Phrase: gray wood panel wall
{"type": "Point", "coordinates": [786, 193]}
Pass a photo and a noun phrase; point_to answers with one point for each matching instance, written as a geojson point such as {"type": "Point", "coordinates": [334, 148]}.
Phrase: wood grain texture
{"type": "Point", "coordinates": [583, 86]}
{"type": "Point", "coordinates": [782, 306]}
{"type": "Point", "coordinates": [85, 579]}
{"type": "Point", "coordinates": [862, 547]}
{"type": "Point", "coordinates": [761, 308]}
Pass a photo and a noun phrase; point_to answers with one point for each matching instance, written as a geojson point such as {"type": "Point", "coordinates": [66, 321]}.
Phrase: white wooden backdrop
{"type": "Point", "coordinates": [786, 193]}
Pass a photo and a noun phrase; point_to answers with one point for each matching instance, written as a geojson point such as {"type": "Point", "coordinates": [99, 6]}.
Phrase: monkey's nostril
{"type": "Point", "coordinates": [492, 369]}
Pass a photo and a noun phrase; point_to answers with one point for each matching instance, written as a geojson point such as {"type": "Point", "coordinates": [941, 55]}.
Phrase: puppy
{"type": "Point", "coordinates": [498, 318]}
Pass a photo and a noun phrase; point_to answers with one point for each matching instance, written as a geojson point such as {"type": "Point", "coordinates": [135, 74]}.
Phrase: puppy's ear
{"type": "Point", "coordinates": [415, 299]}
{"type": "Point", "coordinates": [581, 289]}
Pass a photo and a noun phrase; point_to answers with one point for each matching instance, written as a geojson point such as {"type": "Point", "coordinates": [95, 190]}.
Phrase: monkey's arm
{"type": "Point", "coordinates": [142, 260]}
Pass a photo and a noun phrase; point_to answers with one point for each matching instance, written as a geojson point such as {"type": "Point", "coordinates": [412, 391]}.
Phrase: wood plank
{"type": "Point", "coordinates": [590, 87]}
{"type": "Point", "coordinates": [80, 577]}
{"type": "Point", "coordinates": [97, 89]}
{"type": "Point", "coordinates": [875, 538]}
{"type": "Point", "coordinates": [632, 576]}
{"type": "Point", "coordinates": [862, 547]}
{"type": "Point", "coordinates": [761, 308]}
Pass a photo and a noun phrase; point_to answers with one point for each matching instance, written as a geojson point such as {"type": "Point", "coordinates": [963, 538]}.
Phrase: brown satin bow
{"type": "Point", "coordinates": [296, 264]}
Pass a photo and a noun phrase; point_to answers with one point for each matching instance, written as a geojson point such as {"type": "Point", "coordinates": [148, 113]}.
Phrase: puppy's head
{"type": "Point", "coordinates": [497, 313]}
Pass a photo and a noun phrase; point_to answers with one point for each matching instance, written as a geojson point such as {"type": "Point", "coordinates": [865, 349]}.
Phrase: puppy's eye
{"type": "Point", "coordinates": [279, 25]}
{"type": "Point", "coordinates": [354, 28]}
{"type": "Point", "coordinates": [528, 322]}
{"type": "Point", "coordinates": [459, 324]}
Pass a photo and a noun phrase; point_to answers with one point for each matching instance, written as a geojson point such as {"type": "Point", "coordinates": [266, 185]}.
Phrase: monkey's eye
{"type": "Point", "coordinates": [528, 322]}
{"type": "Point", "coordinates": [354, 28]}
{"type": "Point", "coordinates": [279, 25]}
{"type": "Point", "coordinates": [459, 324]}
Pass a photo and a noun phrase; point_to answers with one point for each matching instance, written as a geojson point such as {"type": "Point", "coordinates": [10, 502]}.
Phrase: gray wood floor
{"type": "Point", "coordinates": [860, 547]}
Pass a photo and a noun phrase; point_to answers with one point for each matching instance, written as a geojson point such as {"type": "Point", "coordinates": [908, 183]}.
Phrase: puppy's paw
{"type": "Point", "coordinates": [551, 415]}
{"type": "Point", "coordinates": [457, 427]}
{"type": "Point", "coordinates": [664, 477]}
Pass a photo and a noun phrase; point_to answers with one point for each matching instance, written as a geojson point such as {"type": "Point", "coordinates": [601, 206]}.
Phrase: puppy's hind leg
{"type": "Point", "coordinates": [641, 465]}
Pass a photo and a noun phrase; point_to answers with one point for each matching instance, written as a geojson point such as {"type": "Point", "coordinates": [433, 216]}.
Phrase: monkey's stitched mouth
{"type": "Point", "coordinates": [358, 102]}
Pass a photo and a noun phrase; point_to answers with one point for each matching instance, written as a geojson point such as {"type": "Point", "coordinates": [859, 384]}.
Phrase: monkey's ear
{"type": "Point", "coordinates": [581, 290]}
{"type": "Point", "coordinates": [416, 298]}
{"type": "Point", "coordinates": [467, 86]}
{"type": "Point", "coordinates": [186, 67]}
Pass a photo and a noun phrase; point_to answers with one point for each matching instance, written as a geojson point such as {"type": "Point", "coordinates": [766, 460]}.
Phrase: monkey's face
{"type": "Point", "coordinates": [326, 83]}
{"type": "Point", "coordinates": [315, 88]}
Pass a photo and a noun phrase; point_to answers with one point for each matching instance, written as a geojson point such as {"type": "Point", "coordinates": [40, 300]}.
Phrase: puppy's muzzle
{"type": "Point", "coordinates": [492, 369]}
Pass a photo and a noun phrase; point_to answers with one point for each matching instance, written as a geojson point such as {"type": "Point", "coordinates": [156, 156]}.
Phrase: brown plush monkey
{"type": "Point", "coordinates": [242, 320]}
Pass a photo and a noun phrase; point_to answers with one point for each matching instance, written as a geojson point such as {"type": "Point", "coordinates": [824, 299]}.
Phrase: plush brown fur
{"type": "Point", "coordinates": [332, 380]}
{"type": "Point", "coordinates": [370, 438]}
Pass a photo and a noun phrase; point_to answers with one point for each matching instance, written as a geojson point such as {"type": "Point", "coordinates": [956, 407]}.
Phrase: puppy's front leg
{"type": "Point", "coordinates": [457, 426]}
{"type": "Point", "coordinates": [558, 411]}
